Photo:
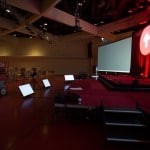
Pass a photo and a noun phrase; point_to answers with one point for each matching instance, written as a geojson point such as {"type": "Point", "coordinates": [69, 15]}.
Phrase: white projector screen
{"type": "Point", "coordinates": [26, 89]}
{"type": "Point", "coordinates": [115, 57]}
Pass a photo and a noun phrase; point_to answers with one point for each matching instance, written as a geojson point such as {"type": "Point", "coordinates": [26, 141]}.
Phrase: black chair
{"type": "Point", "coordinates": [83, 75]}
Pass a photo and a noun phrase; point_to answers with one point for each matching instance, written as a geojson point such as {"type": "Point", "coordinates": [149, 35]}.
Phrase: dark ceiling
{"type": "Point", "coordinates": [102, 11]}
{"type": "Point", "coordinates": [64, 17]}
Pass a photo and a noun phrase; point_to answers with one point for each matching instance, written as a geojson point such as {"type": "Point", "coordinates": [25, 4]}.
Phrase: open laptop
{"type": "Point", "coordinates": [46, 83]}
{"type": "Point", "coordinates": [26, 89]}
{"type": "Point", "coordinates": [69, 77]}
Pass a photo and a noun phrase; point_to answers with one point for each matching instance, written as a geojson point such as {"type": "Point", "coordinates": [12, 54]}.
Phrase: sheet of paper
{"type": "Point", "coordinates": [76, 88]}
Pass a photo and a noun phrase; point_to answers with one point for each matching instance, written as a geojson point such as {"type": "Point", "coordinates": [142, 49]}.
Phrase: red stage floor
{"type": "Point", "coordinates": [94, 93]}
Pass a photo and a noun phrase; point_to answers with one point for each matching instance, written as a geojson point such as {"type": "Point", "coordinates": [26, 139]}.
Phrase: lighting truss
{"type": "Point", "coordinates": [22, 20]}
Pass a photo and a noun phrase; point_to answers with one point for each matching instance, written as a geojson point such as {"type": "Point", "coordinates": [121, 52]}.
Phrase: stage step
{"type": "Point", "coordinates": [126, 125]}
{"type": "Point", "coordinates": [127, 140]}
{"type": "Point", "coordinates": [123, 110]}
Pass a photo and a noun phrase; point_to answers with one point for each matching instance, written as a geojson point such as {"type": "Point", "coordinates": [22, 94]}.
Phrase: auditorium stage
{"type": "Point", "coordinates": [95, 93]}
{"type": "Point", "coordinates": [125, 82]}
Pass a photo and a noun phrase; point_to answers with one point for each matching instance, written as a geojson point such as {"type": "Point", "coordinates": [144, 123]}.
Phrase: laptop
{"type": "Point", "coordinates": [46, 83]}
{"type": "Point", "coordinates": [26, 89]}
{"type": "Point", "coordinates": [69, 77]}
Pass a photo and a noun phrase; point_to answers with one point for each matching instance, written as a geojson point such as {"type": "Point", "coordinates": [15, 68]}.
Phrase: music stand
{"type": "Point", "coordinates": [33, 80]}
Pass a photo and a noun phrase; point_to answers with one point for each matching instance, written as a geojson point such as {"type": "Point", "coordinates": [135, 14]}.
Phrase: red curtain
{"type": "Point", "coordinates": [140, 64]}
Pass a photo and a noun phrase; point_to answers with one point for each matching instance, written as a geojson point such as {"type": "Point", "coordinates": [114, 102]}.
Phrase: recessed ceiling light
{"type": "Point", "coordinates": [95, 24]}
{"type": "Point", "coordinates": [141, 7]}
{"type": "Point", "coordinates": [130, 11]}
{"type": "Point", "coordinates": [45, 24]}
{"type": "Point", "coordinates": [80, 4]}
{"type": "Point", "coordinates": [102, 38]}
{"type": "Point", "coordinates": [8, 10]}
{"type": "Point", "coordinates": [102, 22]}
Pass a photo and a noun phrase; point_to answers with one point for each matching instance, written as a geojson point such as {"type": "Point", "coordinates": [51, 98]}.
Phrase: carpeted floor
{"type": "Point", "coordinates": [27, 124]}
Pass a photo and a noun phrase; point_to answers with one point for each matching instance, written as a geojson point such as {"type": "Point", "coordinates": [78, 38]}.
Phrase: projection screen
{"type": "Point", "coordinates": [115, 57]}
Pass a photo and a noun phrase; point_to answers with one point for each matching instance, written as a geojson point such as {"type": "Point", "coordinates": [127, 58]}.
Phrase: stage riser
{"type": "Point", "coordinates": [126, 125]}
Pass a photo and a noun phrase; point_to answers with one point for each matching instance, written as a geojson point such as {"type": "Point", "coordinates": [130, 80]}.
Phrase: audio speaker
{"type": "Point", "coordinates": [90, 49]}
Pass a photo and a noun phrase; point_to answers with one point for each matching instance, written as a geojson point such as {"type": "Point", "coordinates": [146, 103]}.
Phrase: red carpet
{"type": "Point", "coordinates": [94, 93]}
{"type": "Point", "coordinates": [31, 125]}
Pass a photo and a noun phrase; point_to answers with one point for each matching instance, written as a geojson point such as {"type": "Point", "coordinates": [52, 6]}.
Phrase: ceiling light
{"type": "Point", "coordinates": [102, 39]}
{"type": "Point", "coordinates": [80, 4]}
{"type": "Point", "coordinates": [95, 24]}
{"type": "Point", "coordinates": [84, 1]}
{"type": "Point", "coordinates": [141, 7]}
{"type": "Point", "coordinates": [45, 29]}
{"type": "Point", "coordinates": [102, 22]}
{"type": "Point", "coordinates": [8, 10]}
{"type": "Point", "coordinates": [130, 11]}
{"type": "Point", "coordinates": [45, 24]}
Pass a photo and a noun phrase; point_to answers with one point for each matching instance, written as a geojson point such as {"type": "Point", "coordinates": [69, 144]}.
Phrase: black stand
{"type": "Point", "coordinates": [35, 84]}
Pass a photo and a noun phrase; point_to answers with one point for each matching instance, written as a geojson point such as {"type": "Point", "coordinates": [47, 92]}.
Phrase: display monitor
{"type": "Point", "coordinates": [46, 83]}
{"type": "Point", "coordinates": [26, 89]}
{"type": "Point", "coordinates": [69, 77]}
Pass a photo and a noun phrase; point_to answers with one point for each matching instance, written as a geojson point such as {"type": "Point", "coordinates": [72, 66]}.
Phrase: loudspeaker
{"type": "Point", "coordinates": [90, 49]}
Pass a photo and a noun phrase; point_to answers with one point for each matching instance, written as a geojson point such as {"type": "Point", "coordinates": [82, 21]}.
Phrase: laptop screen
{"type": "Point", "coordinates": [26, 89]}
{"type": "Point", "coordinates": [69, 77]}
{"type": "Point", "coordinates": [46, 83]}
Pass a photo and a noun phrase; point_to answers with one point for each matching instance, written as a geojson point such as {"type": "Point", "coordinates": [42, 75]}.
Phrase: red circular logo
{"type": "Point", "coordinates": [145, 41]}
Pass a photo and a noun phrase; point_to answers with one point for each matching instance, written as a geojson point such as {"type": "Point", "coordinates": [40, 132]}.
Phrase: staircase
{"type": "Point", "coordinates": [126, 125]}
